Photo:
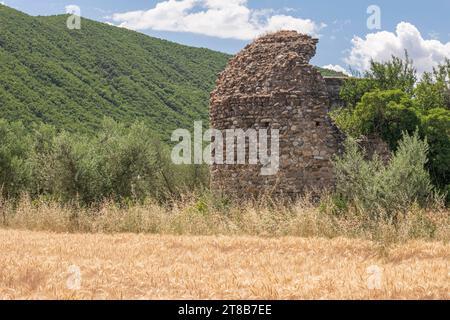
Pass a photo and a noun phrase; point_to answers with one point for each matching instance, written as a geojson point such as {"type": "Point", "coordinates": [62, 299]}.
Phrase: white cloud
{"type": "Point", "coordinates": [73, 9]}
{"type": "Point", "coordinates": [336, 67]}
{"type": "Point", "coordinates": [217, 18]}
{"type": "Point", "coordinates": [380, 46]}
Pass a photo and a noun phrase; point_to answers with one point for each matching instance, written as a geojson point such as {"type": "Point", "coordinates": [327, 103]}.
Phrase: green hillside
{"type": "Point", "coordinates": [330, 73]}
{"type": "Point", "coordinates": [73, 78]}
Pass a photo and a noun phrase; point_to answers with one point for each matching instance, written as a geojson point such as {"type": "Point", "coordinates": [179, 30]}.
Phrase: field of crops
{"type": "Point", "coordinates": [45, 265]}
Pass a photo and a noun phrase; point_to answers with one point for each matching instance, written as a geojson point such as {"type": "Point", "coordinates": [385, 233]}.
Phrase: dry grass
{"type": "Point", "coordinates": [197, 216]}
{"type": "Point", "coordinates": [35, 265]}
{"type": "Point", "coordinates": [201, 249]}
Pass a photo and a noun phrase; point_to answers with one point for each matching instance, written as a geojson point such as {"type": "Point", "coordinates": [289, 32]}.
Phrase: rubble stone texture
{"type": "Point", "coordinates": [374, 145]}
{"type": "Point", "coordinates": [334, 85]}
{"type": "Point", "coordinates": [270, 84]}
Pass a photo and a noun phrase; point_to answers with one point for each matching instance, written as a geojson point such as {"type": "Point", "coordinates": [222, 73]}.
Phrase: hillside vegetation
{"type": "Point", "coordinates": [392, 99]}
{"type": "Point", "coordinates": [73, 78]}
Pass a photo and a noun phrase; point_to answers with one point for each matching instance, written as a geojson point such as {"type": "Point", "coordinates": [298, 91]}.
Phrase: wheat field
{"type": "Point", "coordinates": [43, 265]}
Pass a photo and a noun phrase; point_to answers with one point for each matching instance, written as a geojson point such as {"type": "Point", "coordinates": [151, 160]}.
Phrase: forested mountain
{"type": "Point", "coordinates": [73, 78]}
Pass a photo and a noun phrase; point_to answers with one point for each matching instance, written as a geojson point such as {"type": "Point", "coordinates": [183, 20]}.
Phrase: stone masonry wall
{"type": "Point", "coordinates": [270, 84]}
{"type": "Point", "coordinates": [334, 85]}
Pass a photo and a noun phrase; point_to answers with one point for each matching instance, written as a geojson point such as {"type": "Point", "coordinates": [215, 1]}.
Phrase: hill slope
{"type": "Point", "coordinates": [73, 78]}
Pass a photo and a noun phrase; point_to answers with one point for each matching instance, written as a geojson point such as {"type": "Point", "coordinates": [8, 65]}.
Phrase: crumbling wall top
{"type": "Point", "coordinates": [276, 62]}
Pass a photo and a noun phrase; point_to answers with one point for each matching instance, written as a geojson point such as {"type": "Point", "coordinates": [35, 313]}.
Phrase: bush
{"type": "Point", "coordinates": [433, 90]}
{"type": "Point", "coordinates": [436, 128]}
{"type": "Point", "coordinates": [375, 188]}
{"type": "Point", "coordinates": [390, 75]}
{"type": "Point", "coordinates": [15, 171]}
{"type": "Point", "coordinates": [397, 73]}
{"type": "Point", "coordinates": [354, 89]}
{"type": "Point", "coordinates": [406, 179]}
{"type": "Point", "coordinates": [388, 101]}
{"type": "Point", "coordinates": [122, 163]}
{"type": "Point", "coordinates": [387, 113]}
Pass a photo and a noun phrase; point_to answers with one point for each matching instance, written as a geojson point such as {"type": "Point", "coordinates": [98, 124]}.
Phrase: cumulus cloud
{"type": "Point", "coordinates": [217, 18]}
{"type": "Point", "coordinates": [380, 46]}
{"type": "Point", "coordinates": [336, 67]}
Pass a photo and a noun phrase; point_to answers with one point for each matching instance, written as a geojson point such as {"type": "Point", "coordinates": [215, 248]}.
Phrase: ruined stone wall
{"type": "Point", "coordinates": [334, 85]}
{"type": "Point", "coordinates": [373, 145]}
{"type": "Point", "coordinates": [270, 84]}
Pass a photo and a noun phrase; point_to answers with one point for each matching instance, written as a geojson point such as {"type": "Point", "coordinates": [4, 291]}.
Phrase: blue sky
{"type": "Point", "coordinates": [228, 25]}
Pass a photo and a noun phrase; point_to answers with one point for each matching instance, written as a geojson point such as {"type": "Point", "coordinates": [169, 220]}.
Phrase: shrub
{"type": "Point", "coordinates": [375, 188]}
{"type": "Point", "coordinates": [123, 163]}
{"type": "Point", "coordinates": [406, 179]}
{"type": "Point", "coordinates": [354, 89]}
{"type": "Point", "coordinates": [15, 171]}
{"type": "Point", "coordinates": [433, 90]}
{"type": "Point", "coordinates": [356, 178]}
{"type": "Point", "coordinates": [387, 113]}
{"type": "Point", "coordinates": [394, 74]}
{"type": "Point", "coordinates": [436, 128]}
{"type": "Point", "coordinates": [386, 102]}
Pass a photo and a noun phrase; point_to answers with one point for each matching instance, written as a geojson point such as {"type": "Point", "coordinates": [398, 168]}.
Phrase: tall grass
{"type": "Point", "coordinates": [209, 215]}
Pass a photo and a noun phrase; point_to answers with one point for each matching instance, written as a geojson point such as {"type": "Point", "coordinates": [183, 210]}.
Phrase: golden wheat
{"type": "Point", "coordinates": [36, 265]}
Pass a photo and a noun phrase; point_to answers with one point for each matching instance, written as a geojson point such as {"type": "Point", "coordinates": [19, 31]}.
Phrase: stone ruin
{"type": "Point", "coordinates": [270, 84]}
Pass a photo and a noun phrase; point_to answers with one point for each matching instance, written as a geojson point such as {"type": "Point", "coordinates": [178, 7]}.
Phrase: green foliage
{"type": "Point", "coordinates": [387, 113]}
{"type": "Point", "coordinates": [436, 127]}
{"type": "Point", "coordinates": [71, 79]}
{"type": "Point", "coordinates": [375, 188]}
{"type": "Point", "coordinates": [354, 89]}
{"type": "Point", "coordinates": [356, 178]}
{"type": "Point", "coordinates": [429, 94]}
{"type": "Point", "coordinates": [330, 73]}
{"type": "Point", "coordinates": [447, 193]}
{"type": "Point", "coordinates": [14, 151]}
{"type": "Point", "coordinates": [394, 74]}
{"type": "Point", "coordinates": [433, 90]}
{"type": "Point", "coordinates": [406, 178]}
{"type": "Point", "coordinates": [391, 75]}
{"type": "Point", "coordinates": [386, 102]}
{"type": "Point", "coordinates": [123, 163]}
